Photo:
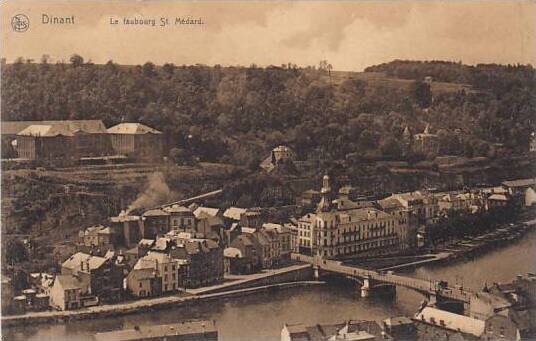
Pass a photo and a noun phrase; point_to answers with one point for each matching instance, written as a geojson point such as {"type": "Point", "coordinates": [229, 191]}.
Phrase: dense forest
{"type": "Point", "coordinates": [236, 114]}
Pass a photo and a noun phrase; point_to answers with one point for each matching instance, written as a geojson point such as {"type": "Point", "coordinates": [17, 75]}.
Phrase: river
{"type": "Point", "coordinates": [261, 316]}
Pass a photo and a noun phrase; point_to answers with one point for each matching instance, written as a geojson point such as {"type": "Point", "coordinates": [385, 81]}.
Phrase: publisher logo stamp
{"type": "Point", "coordinates": [20, 23]}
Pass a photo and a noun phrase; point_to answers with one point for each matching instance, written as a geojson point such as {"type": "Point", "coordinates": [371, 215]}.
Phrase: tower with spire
{"type": "Point", "coordinates": [325, 196]}
{"type": "Point", "coordinates": [406, 139]}
{"type": "Point", "coordinates": [325, 225]}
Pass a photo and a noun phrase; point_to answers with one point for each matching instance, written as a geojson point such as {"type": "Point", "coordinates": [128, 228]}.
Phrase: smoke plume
{"type": "Point", "coordinates": [156, 193]}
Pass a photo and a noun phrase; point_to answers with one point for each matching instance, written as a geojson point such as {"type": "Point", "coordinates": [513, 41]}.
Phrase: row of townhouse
{"type": "Point", "coordinates": [175, 261]}
{"type": "Point", "coordinates": [346, 228]}
{"type": "Point", "coordinates": [126, 230]}
{"type": "Point", "coordinates": [258, 248]}
{"type": "Point", "coordinates": [178, 260]}
{"type": "Point", "coordinates": [86, 280]}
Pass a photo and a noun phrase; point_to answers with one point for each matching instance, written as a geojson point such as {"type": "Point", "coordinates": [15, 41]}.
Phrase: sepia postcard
{"type": "Point", "coordinates": [268, 170]}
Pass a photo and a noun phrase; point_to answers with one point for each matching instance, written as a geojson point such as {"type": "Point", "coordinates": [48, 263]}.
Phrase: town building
{"type": "Point", "coordinates": [407, 223]}
{"type": "Point", "coordinates": [293, 228]}
{"type": "Point", "coordinates": [181, 331]}
{"type": "Point", "coordinates": [97, 239]}
{"type": "Point", "coordinates": [350, 330]}
{"type": "Point", "coordinates": [400, 328]}
{"type": "Point", "coordinates": [72, 292]}
{"type": "Point", "coordinates": [137, 141]}
{"type": "Point", "coordinates": [521, 189]}
{"type": "Point", "coordinates": [305, 234]}
{"type": "Point", "coordinates": [425, 143]}
{"type": "Point", "coordinates": [210, 227]}
{"type": "Point", "coordinates": [267, 245]}
{"type": "Point", "coordinates": [241, 255]}
{"type": "Point", "coordinates": [279, 154]}
{"type": "Point", "coordinates": [128, 228]}
{"type": "Point", "coordinates": [87, 138]}
{"type": "Point", "coordinates": [423, 206]}
{"type": "Point", "coordinates": [204, 258]}
{"type": "Point", "coordinates": [46, 142]}
{"type": "Point", "coordinates": [143, 279]}
{"type": "Point", "coordinates": [210, 211]}
{"type": "Point", "coordinates": [435, 324]}
{"type": "Point", "coordinates": [309, 198]}
{"type": "Point", "coordinates": [283, 236]}
{"type": "Point", "coordinates": [103, 275]}
{"type": "Point", "coordinates": [233, 214]}
{"type": "Point", "coordinates": [181, 218]}
{"type": "Point", "coordinates": [163, 278]}
{"type": "Point", "coordinates": [350, 232]}
{"type": "Point", "coordinates": [155, 222]}
{"type": "Point", "coordinates": [514, 302]}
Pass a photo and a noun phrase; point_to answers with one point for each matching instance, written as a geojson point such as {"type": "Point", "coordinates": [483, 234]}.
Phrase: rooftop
{"type": "Point", "coordinates": [133, 129]}
{"type": "Point", "coordinates": [76, 261]}
{"type": "Point", "coordinates": [207, 210]}
{"type": "Point", "coordinates": [88, 126]}
{"type": "Point", "coordinates": [234, 213]}
{"type": "Point", "coordinates": [195, 329]}
{"type": "Point", "coordinates": [451, 321]}
{"type": "Point", "coordinates": [155, 213]}
{"type": "Point", "coordinates": [520, 182]}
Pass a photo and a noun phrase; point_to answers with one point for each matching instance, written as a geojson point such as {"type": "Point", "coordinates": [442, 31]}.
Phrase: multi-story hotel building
{"type": "Point", "coordinates": [348, 230]}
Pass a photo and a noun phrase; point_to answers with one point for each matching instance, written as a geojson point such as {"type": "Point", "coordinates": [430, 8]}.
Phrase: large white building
{"type": "Point", "coordinates": [347, 229]}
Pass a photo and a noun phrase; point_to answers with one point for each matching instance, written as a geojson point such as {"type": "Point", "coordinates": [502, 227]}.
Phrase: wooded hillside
{"type": "Point", "coordinates": [236, 114]}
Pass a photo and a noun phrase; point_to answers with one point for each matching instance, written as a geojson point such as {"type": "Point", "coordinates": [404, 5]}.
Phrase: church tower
{"type": "Point", "coordinates": [406, 140]}
{"type": "Point", "coordinates": [325, 194]}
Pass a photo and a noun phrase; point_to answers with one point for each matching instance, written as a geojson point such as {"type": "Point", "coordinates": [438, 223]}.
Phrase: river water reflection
{"type": "Point", "coordinates": [261, 316]}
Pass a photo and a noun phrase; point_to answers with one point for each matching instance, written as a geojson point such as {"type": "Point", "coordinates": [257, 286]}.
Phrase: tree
{"type": "Point", "coordinates": [391, 148]}
{"type": "Point", "coordinates": [76, 60]}
{"type": "Point", "coordinates": [148, 69]}
{"type": "Point", "coordinates": [422, 93]}
{"type": "Point", "coordinates": [15, 252]}
{"type": "Point", "coordinates": [168, 68]}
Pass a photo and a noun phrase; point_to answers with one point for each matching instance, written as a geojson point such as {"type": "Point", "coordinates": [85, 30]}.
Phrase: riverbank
{"type": "Point", "coordinates": [469, 246]}
{"type": "Point", "coordinates": [274, 279]}
{"type": "Point", "coordinates": [149, 305]}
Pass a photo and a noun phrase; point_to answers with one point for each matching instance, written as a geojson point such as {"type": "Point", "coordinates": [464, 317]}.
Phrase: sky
{"type": "Point", "coordinates": [350, 35]}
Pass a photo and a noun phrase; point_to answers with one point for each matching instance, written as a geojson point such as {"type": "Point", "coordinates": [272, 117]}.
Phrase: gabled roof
{"type": "Point", "coordinates": [207, 210]}
{"type": "Point", "coordinates": [448, 320]}
{"type": "Point", "coordinates": [177, 209]}
{"type": "Point", "coordinates": [45, 131]}
{"type": "Point", "coordinates": [155, 213]}
{"type": "Point", "coordinates": [132, 128]}
{"type": "Point", "coordinates": [76, 260]}
{"type": "Point", "coordinates": [234, 213]}
{"type": "Point", "coordinates": [390, 203]}
{"type": "Point", "coordinates": [232, 252]}
{"type": "Point", "coordinates": [157, 257]}
{"type": "Point", "coordinates": [88, 126]}
{"type": "Point", "coordinates": [520, 183]}
{"type": "Point", "coordinates": [161, 244]}
{"type": "Point", "coordinates": [190, 330]}
{"type": "Point", "coordinates": [498, 197]}
{"type": "Point", "coordinates": [146, 242]}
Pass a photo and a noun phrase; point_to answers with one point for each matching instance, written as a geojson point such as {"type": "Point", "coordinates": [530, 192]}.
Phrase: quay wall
{"type": "Point", "coordinates": [288, 279]}
{"type": "Point", "coordinates": [304, 273]}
